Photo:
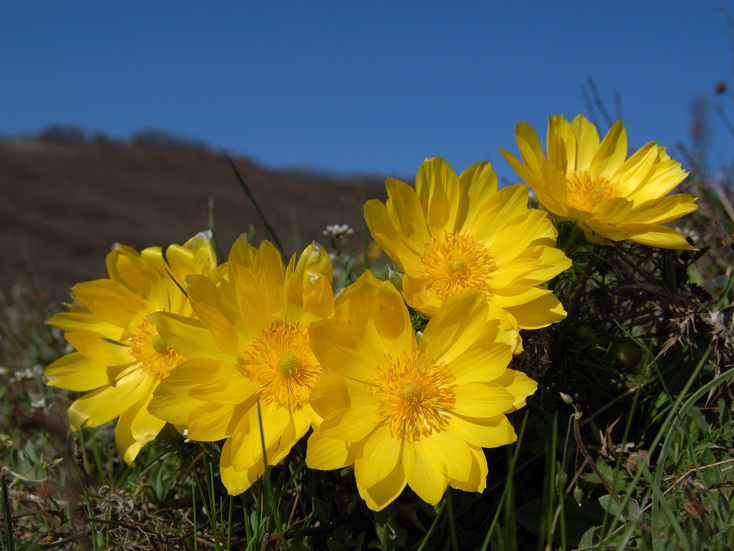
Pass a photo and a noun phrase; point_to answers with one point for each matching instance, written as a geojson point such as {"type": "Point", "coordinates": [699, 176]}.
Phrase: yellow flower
{"type": "Point", "coordinates": [611, 198]}
{"type": "Point", "coordinates": [119, 352]}
{"type": "Point", "coordinates": [406, 412]}
{"type": "Point", "coordinates": [453, 232]}
{"type": "Point", "coordinates": [249, 362]}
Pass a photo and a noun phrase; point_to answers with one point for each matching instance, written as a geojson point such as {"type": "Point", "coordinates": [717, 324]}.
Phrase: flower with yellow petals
{"type": "Point", "coordinates": [452, 233]}
{"type": "Point", "coordinates": [408, 412]}
{"type": "Point", "coordinates": [612, 197]}
{"type": "Point", "coordinates": [119, 355]}
{"type": "Point", "coordinates": [249, 369]}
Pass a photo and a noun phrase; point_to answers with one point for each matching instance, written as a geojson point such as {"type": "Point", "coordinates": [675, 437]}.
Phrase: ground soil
{"type": "Point", "coordinates": [62, 205]}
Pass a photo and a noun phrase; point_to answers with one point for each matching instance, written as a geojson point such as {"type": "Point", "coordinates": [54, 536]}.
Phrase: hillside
{"type": "Point", "coordinates": [62, 205]}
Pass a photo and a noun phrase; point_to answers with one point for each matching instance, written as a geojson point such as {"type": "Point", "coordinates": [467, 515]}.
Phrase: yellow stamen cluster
{"type": "Point", "coordinates": [281, 359]}
{"type": "Point", "coordinates": [413, 395]}
{"type": "Point", "coordinates": [456, 261]}
{"type": "Point", "coordinates": [151, 352]}
{"type": "Point", "coordinates": [585, 192]}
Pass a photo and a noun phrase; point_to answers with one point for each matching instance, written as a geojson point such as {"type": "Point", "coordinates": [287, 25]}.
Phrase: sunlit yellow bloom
{"type": "Point", "coordinates": [119, 352]}
{"type": "Point", "coordinates": [450, 233]}
{"type": "Point", "coordinates": [611, 198]}
{"type": "Point", "coordinates": [249, 361]}
{"type": "Point", "coordinates": [407, 412]}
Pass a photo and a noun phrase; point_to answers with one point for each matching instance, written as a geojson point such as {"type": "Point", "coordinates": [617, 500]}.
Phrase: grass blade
{"type": "Point", "coordinates": [269, 231]}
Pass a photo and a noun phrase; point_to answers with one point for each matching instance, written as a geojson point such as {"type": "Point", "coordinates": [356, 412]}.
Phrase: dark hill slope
{"type": "Point", "coordinates": [62, 206]}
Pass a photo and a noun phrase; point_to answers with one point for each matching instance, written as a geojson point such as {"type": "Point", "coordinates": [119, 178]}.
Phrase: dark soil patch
{"type": "Point", "coordinates": [62, 206]}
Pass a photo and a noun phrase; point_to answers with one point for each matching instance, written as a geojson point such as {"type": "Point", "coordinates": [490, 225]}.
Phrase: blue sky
{"type": "Point", "coordinates": [360, 87]}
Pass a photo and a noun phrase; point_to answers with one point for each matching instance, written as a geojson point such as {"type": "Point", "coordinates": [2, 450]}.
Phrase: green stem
{"type": "Point", "coordinates": [452, 524]}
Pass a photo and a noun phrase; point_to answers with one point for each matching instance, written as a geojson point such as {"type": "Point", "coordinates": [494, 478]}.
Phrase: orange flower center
{"type": "Point", "coordinates": [151, 352]}
{"type": "Point", "coordinates": [456, 261]}
{"type": "Point", "coordinates": [413, 395]}
{"type": "Point", "coordinates": [281, 359]}
{"type": "Point", "coordinates": [585, 192]}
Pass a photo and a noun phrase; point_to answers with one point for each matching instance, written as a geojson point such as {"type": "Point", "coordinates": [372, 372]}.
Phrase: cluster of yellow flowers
{"type": "Point", "coordinates": [256, 353]}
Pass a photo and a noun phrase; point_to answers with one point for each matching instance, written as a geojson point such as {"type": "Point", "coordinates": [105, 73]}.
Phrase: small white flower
{"type": "Point", "coordinates": [38, 405]}
{"type": "Point", "coordinates": [338, 232]}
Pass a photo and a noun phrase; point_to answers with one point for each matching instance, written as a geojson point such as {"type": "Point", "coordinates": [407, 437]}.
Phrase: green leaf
{"type": "Point", "coordinates": [613, 507]}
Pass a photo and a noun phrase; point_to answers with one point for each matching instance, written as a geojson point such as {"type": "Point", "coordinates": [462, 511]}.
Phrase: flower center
{"type": "Point", "coordinates": [413, 395]}
{"type": "Point", "coordinates": [151, 352]}
{"type": "Point", "coordinates": [159, 345]}
{"type": "Point", "coordinates": [410, 392]}
{"type": "Point", "coordinates": [455, 266]}
{"type": "Point", "coordinates": [457, 261]}
{"type": "Point", "coordinates": [585, 192]}
{"type": "Point", "coordinates": [288, 363]}
{"type": "Point", "coordinates": [281, 359]}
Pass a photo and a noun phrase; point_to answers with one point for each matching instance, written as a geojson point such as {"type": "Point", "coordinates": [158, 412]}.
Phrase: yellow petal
{"type": "Point", "coordinates": [455, 327]}
{"type": "Point", "coordinates": [522, 169]}
{"type": "Point", "coordinates": [211, 309]}
{"type": "Point", "coordinates": [517, 294]}
{"type": "Point", "coordinates": [188, 336]}
{"type": "Point", "coordinates": [497, 211]}
{"type": "Point", "coordinates": [103, 405]}
{"type": "Point", "coordinates": [212, 381]}
{"type": "Point", "coordinates": [111, 301]}
{"type": "Point", "coordinates": [327, 454]}
{"type": "Point", "coordinates": [481, 400]}
{"type": "Point", "coordinates": [561, 143]}
{"type": "Point", "coordinates": [448, 452]}
{"type": "Point", "coordinates": [172, 406]}
{"type": "Point", "coordinates": [318, 298]}
{"type": "Point", "coordinates": [479, 183]}
{"type": "Point", "coordinates": [587, 142]}
{"type": "Point", "coordinates": [484, 361]}
{"type": "Point", "coordinates": [386, 234]}
{"type": "Point", "coordinates": [517, 235]}
{"type": "Point", "coordinates": [383, 493]}
{"type": "Point", "coordinates": [248, 445]}
{"type": "Point", "coordinates": [421, 298]}
{"type": "Point", "coordinates": [135, 428]}
{"type": "Point", "coordinates": [435, 186]}
{"type": "Point", "coordinates": [100, 350]}
{"type": "Point", "coordinates": [477, 481]}
{"type": "Point", "coordinates": [76, 372]}
{"type": "Point", "coordinates": [380, 455]}
{"type": "Point", "coordinates": [335, 392]}
{"type": "Point", "coordinates": [85, 321]}
{"type": "Point", "coordinates": [657, 236]}
{"type": "Point", "coordinates": [518, 384]}
{"type": "Point", "coordinates": [379, 317]}
{"type": "Point", "coordinates": [126, 266]}
{"type": "Point", "coordinates": [611, 153]}
{"type": "Point", "coordinates": [242, 252]}
{"type": "Point", "coordinates": [237, 481]}
{"type": "Point", "coordinates": [538, 313]}
{"type": "Point", "coordinates": [534, 266]}
{"type": "Point", "coordinates": [196, 256]}
{"type": "Point", "coordinates": [662, 210]}
{"type": "Point", "coordinates": [351, 425]}
{"type": "Point", "coordinates": [405, 212]}
{"type": "Point", "coordinates": [210, 422]}
{"type": "Point", "coordinates": [485, 432]}
{"type": "Point", "coordinates": [339, 348]}
{"type": "Point", "coordinates": [422, 475]}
